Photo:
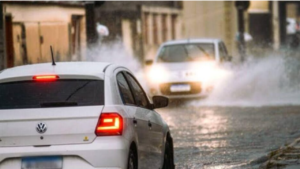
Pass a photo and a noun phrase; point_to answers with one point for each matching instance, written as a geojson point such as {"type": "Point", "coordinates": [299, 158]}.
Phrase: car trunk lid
{"type": "Point", "coordinates": [68, 125]}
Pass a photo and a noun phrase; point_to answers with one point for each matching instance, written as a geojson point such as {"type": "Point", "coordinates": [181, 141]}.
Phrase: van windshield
{"type": "Point", "coordinates": [60, 93]}
{"type": "Point", "coordinates": [187, 52]}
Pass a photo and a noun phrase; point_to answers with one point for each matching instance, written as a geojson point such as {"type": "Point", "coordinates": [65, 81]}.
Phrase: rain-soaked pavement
{"type": "Point", "coordinates": [228, 137]}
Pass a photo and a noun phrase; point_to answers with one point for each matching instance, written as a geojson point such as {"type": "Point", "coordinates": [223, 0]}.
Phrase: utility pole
{"type": "Point", "coordinates": [241, 6]}
{"type": "Point", "coordinates": [91, 35]}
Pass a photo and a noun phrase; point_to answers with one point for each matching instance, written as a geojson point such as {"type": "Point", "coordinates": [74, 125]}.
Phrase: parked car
{"type": "Point", "coordinates": [80, 115]}
{"type": "Point", "coordinates": [186, 68]}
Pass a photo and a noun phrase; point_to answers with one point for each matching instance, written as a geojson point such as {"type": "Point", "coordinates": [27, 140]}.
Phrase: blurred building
{"type": "Point", "coordinates": [141, 25]}
{"type": "Point", "coordinates": [211, 19]}
{"type": "Point", "coordinates": [32, 27]}
{"type": "Point", "coordinates": [2, 39]}
{"type": "Point", "coordinates": [272, 25]}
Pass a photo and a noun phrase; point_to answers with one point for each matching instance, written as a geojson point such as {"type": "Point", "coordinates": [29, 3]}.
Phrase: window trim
{"type": "Point", "coordinates": [134, 104]}
{"type": "Point", "coordinates": [130, 86]}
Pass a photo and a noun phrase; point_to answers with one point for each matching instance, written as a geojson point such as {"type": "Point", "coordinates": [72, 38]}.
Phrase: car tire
{"type": "Point", "coordinates": [132, 160]}
{"type": "Point", "coordinates": [168, 156]}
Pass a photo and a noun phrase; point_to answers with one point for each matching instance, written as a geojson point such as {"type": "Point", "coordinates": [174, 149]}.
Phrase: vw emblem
{"type": "Point", "coordinates": [41, 128]}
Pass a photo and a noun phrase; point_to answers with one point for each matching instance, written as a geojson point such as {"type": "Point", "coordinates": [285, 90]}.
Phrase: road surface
{"type": "Point", "coordinates": [228, 137]}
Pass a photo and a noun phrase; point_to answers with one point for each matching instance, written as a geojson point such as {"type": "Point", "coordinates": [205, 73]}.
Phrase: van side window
{"type": "Point", "coordinates": [124, 89]}
{"type": "Point", "coordinates": [138, 93]}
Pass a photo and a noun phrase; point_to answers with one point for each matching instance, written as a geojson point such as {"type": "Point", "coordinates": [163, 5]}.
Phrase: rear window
{"type": "Point", "coordinates": [60, 93]}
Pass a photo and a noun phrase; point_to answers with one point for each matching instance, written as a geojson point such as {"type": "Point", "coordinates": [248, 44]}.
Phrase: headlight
{"type": "Point", "coordinates": [210, 73]}
{"type": "Point", "coordinates": [205, 71]}
{"type": "Point", "coordinates": [157, 74]}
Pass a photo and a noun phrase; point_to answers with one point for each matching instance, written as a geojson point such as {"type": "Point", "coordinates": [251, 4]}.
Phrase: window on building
{"type": "Point", "coordinates": [164, 27]}
{"type": "Point", "coordinates": [155, 33]}
{"type": "Point", "coordinates": [146, 18]}
{"type": "Point", "coordinates": [75, 30]}
{"type": "Point", "coordinates": [173, 26]}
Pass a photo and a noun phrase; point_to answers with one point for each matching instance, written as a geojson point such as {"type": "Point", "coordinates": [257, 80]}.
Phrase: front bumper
{"type": "Point", "coordinates": [103, 153]}
{"type": "Point", "coordinates": [198, 90]}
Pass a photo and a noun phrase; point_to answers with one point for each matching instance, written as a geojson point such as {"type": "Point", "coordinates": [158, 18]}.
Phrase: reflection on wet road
{"type": "Point", "coordinates": [228, 137]}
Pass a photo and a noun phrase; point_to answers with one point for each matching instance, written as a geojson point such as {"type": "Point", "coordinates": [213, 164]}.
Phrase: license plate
{"type": "Point", "coordinates": [51, 162]}
{"type": "Point", "coordinates": [180, 88]}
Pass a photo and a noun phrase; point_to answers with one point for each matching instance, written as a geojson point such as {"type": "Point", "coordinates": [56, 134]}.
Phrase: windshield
{"type": "Point", "coordinates": [187, 52]}
{"type": "Point", "coordinates": [31, 94]}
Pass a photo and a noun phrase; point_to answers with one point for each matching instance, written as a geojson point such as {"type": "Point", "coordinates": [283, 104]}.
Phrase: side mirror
{"type": "Point", "coordinates": [160, 102]}
{"type": "Point", "coordinates": [149, 62]}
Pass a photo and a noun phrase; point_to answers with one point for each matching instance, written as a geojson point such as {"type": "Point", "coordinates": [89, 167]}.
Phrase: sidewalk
{"type": "Point", "coordinates": [287, 157]}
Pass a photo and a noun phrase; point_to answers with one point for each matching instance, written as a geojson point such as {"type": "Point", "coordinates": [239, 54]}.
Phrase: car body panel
{"type": "Point", "coordinates": [70, 126]}
{"type": "Point", "coordinates": [18, 126]}
{"type": "Point", "coordinates": [102, 152]}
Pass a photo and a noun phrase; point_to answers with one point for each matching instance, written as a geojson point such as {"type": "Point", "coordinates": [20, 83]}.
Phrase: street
{"type": "Point", "coordinates": [228, 137]}
{"type": "Point", "coordinates": [223, 77]}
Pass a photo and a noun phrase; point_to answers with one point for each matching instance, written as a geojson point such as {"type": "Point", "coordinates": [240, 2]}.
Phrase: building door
{"type": "Point", "coordinates": [9, 41]}
{"type": "Point", "coordinates": [260, 28]}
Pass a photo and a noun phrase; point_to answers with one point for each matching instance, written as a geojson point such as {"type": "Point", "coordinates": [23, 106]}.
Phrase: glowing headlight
{"type": "Point", "coordinates": [157, 75]}
{"type": "Point", "coordinates": [205, 72]}
{"type": "Point", "coordinates": [210, 73]}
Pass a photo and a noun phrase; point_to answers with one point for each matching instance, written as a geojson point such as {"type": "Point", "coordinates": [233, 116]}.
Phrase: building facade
{"type": "Point", "coordinates": [141, 25]}
{"type": "Point", "coordinates": [270, 25]}
{"type": "Point", "coordinates": [32, 27]}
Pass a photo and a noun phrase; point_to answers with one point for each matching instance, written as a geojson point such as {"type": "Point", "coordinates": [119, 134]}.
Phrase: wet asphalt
{"type": "Point", "coordinates": [228, 137]}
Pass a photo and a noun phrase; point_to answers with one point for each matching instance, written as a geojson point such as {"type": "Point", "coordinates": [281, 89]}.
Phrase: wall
{"type": "Point", "coordinates": [125, 20]}
{"type": "Point", "coordinates": [160, 24]}
{"type": "Point", "coordinates": [44, 25]}
{"type": "Point", "coordinates": [207, 19]}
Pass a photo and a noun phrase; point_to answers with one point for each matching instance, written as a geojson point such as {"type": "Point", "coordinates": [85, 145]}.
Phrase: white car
{"type": "Point", "coordinates": [80, 115]}
{"type": "Point", "coordinates": [186, 68]}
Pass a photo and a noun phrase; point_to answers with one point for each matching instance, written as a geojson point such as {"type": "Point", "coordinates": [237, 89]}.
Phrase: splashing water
{"type": "Point", "coordinates": [273, 80]}
{"type": "Point", "coordinates": [267, 81]}
{"type": "Point", "coordinates": [116, 53]}
{"type": "Point", "coordinates": [113, 53]}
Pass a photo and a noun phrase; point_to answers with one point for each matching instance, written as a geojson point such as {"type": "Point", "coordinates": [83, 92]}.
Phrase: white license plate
{"type": "Point", "coordinates": [51, 162]}
{"type": "Point", "coordinates": [180, 88]}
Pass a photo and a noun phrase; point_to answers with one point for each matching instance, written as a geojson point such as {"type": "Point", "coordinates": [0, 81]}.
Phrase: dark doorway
{"type": "Point", "coordinates": [76, 29]}
{"type": "Point", "coordinates": [9, 41]}
{"type": "Point", "coordinates": [260, 29]}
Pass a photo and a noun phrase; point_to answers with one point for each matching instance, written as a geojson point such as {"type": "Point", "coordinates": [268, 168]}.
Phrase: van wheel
{"type": "Point", "coordinates": [168, 157]}
{"type": "Point", "coordinates": [132, 160]}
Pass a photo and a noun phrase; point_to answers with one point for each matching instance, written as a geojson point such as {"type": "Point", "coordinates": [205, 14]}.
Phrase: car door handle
{"type": "Point", "coordinates": [134, 121]}
{"type": "Point", "coordinates": [149, 124]}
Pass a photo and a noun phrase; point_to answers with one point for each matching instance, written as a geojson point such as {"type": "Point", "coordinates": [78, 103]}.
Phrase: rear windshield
{"type": "Point", "coordinates": [60, 93]}
{"type": "Point", "coordinates": [187, 52]}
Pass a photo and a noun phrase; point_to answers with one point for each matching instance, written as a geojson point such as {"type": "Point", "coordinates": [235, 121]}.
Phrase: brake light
{"type": "Point", "coordinates": [45, 77]}
{"type": "Point", "coordinates": [109, 124]}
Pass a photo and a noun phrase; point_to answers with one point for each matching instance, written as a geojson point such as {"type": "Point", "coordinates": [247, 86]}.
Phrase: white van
{"type": "Point", "coordinates": [186, 68]}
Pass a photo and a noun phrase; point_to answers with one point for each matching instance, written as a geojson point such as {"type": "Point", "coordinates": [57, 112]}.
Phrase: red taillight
{"type": "Point", "coordinates": [109, 124]}
{"type": "Point", "coordinates": [45, 77]}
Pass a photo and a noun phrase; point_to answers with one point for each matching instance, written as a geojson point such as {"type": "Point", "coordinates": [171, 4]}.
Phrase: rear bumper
{"type": "Point", "coordinates": [104, 152]}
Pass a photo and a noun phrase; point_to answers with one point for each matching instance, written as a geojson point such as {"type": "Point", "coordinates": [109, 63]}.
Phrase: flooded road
{"type": "Point", "coordinates": [228, 137]}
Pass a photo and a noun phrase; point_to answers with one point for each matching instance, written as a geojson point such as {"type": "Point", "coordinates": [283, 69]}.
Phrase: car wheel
{"type": "Point", "coordinates": [168, 157]}
{"type": "Point", "coordinates": [132, 160]}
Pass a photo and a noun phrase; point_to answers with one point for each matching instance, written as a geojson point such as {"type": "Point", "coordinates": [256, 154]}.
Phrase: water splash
{"type": "Point", "coordinates": [266, 81]}
{"type": "Point", "coordinates": [273, 80]}
{"type": "Point", "coordinates": [115, 52]}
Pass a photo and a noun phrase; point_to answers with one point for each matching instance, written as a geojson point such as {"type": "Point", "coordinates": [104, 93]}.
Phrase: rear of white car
{"type": "Point", "coordinates": [63, 117]}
